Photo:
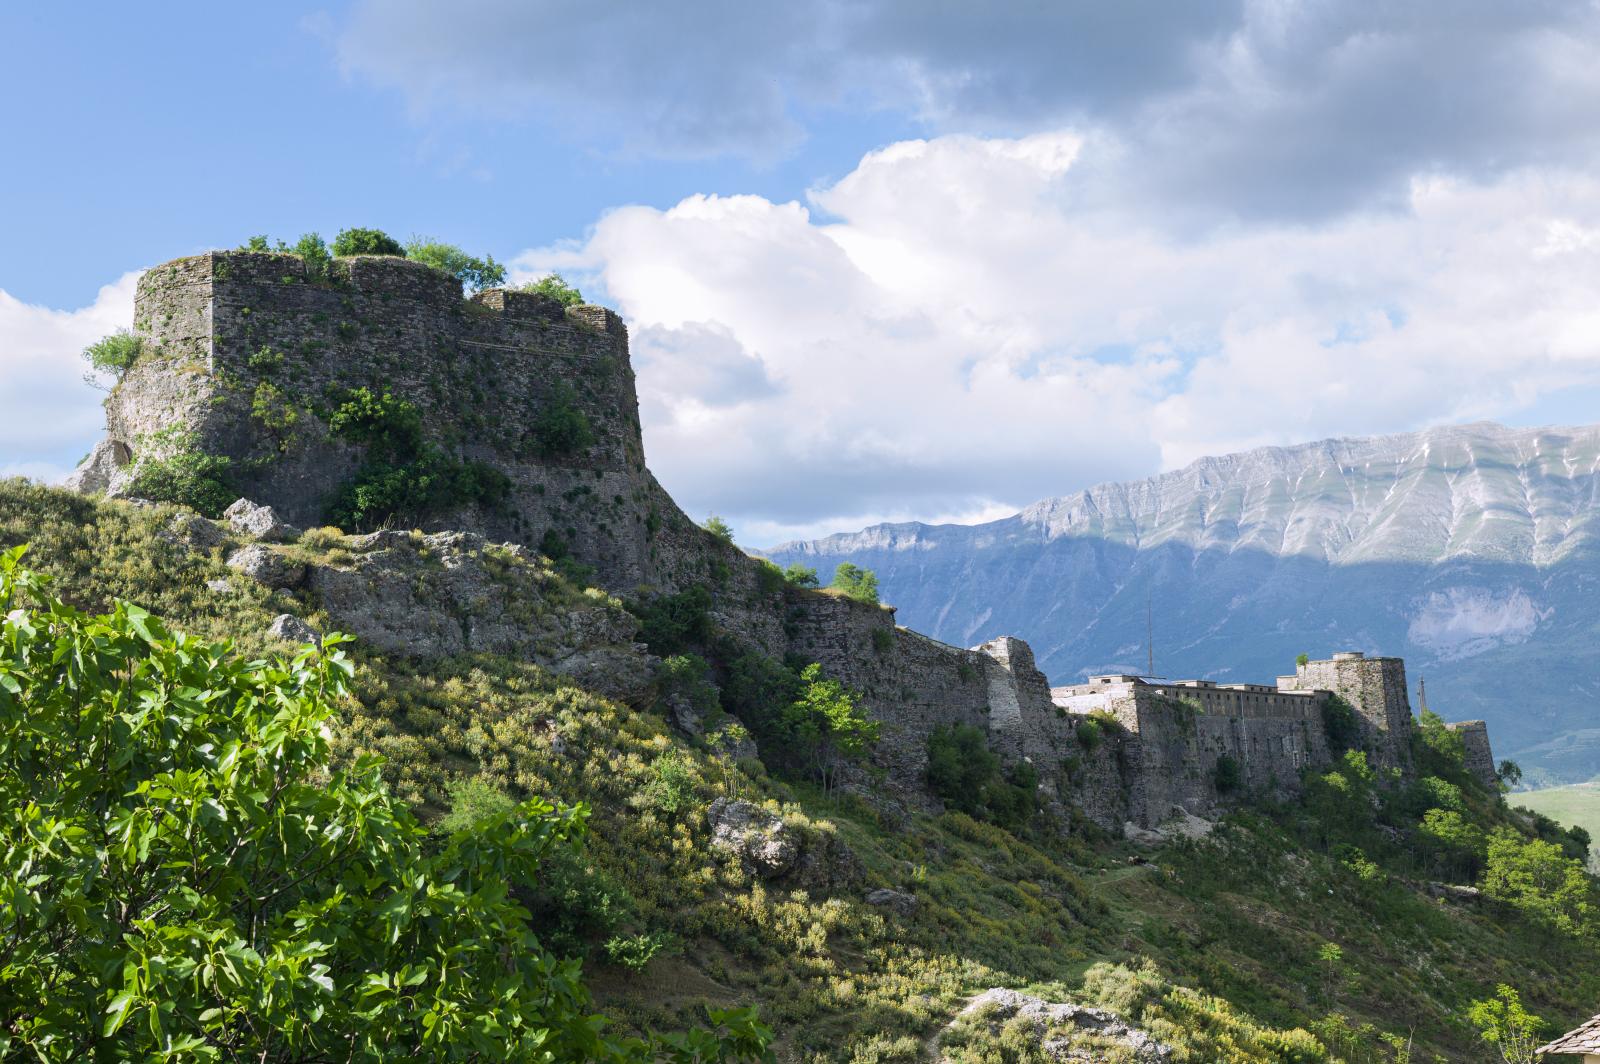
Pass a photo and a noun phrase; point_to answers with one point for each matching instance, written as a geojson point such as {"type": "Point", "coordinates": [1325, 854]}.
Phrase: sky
{"type": "Point", "coordinates": [920, 260]}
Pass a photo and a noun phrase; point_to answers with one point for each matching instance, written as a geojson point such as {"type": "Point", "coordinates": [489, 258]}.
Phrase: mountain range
{"type": "Point", "coordinates": [1473, 551]}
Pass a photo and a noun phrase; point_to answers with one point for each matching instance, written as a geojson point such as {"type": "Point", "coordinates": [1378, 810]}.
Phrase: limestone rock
{"type": "Point", "coordinates": [897, 901]}
{"type": "Point", "coordinates": [219, 586]}
{"type": "Point", "coordinates": [258, 522]}
{"type": "Point", "coordinates": [266, 566]}
{"type": "Point", "coordinates": [94, 473]}
{"type": "Point", "coordinates": [291, 629]}
{"type": "Point", "coordinates": [193, 532]}
{"type": "Point", "coordinates": [764, 844]}
{"type": "Point", "coordinates": [1057, 1021]}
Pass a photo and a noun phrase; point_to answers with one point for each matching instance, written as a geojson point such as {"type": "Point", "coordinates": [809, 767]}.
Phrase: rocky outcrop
{"type": "Point", "coordinates": [770, 849]}
{"type": "Point", "coordinates": [258, 522]}
{"type": "Point", "coordinates": [291, 629]}
{"type": "Point", "coordinates": [266, 566]}
{"type": "Point", "coordinates": [95, 473]}
{"type": "Point", "coordinates": [1066, 1033]}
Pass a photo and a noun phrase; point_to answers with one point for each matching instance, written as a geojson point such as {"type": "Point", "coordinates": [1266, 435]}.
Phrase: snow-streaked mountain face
{"type": "Point", "coordinates": [1473, 551]}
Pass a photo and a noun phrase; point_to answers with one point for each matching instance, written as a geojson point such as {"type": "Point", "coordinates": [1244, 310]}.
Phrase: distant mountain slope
{"type": "Point", "coordinates": [1472, 550]}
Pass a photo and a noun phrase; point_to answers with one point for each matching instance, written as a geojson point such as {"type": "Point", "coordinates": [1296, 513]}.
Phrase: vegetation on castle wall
{"type": "Point", "coordinates": [555, 287]}
{"type": "Point", "coordinates": [856, 582]}
{"type": "Point", "coordinates": [366, 242]}
{"type": "Point", "coordinates": [474, 273]}
{"type": "Point", "coordinates": [561, 427]}
{"type": "Point", "coordinates": [967, 775]}
{"type": "Point", "coordinates": [402, 475]}
{"type": "Point", "coordinates": [114, 354]}
{"type": "Point", "coordinates": [183, 474]}
{"type": "Point", "coordinates": [1340, 724]}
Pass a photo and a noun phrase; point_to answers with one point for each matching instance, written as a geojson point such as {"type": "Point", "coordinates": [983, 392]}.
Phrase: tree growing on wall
{"type": "Point", "coordinates": [856, 582]}
{"type": "Point", "coordinates": [474, 273]}
{"type": "Point", "coordinates": [366, 242]}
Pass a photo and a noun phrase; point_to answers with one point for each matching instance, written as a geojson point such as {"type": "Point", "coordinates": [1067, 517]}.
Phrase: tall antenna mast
{"type": "Point", "coordinates": [1150, 633]}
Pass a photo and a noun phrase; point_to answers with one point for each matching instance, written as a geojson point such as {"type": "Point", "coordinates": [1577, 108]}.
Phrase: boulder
{"type": "Point", "coordinates": [894, 900]}
{"type": "Point", "coordinates": [94, 473]}
{"type": "Point", "coordinates": [291, 629]}
{"type": "Point", "coordinates": [764, 844]}
{"type": "Point", "coordinates": [1056, 1023]}
{"type": "Point", "coordinates": [258, 522]}
{"type": "Point", "coordinates": [265, 566]}
{"type": "Point", "coordinates": [193, 532]}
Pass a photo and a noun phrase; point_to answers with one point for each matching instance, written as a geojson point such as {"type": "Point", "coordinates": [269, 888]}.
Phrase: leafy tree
{"type": "Point", "coordinates": [555, 287]}
{"type": "Point", "coordinates": [183, 876]}
{"type": "Point", "coordinates": [114, 354]}
{"type": "Point", "coordinates": [669, 624]}
{"type": "Point", "coordinates": [1302, 659]}
{"type": "Point", "coordinates": [826, 722]}
{"type": "Point", "coordinates": [366, 242]}
{"type": "Point", "coordinates": [1540, 879]}
{"type": "Point", "coordinates": [719, 528]}
{"type": "Point", "coordinates": [1455, 843]}
{"type": "Point", "coordinates": [1503, 1023]}
{"type": "Point", "coordinates": [314, 253]}
{"type": "Point", "coordinates": [1510, 773]}
{"type": "Point", "coordinates": [856, 582]}
{"type": "Point", "coordinates": [1332, 956]}
{"type": "Point", "coordinates": [475, 273]}
{"type": "Point", "coordinates": [1444, 748]}
{"type": "Point", "coordinates": [801, 575]}
{"type": "Point", "coordinates": [1340, 724]}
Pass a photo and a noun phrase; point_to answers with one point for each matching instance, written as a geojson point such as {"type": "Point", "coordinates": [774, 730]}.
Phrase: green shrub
{"type": "Point", "coordinates": [883, 640]}
{"type": "Point", "coordinates": [114, 354]}
{"type": "Point", "coordinates": [200, 481]}
{"type": "Point", "coordinates": [155, 905]}
{"type": "Point", "coordinates": [378, 420]}
{"type": "Point", "coordinates": [635, 952]}
{"type": "Point", "coordinates": [670, 624]}
{"type": "Point", "coordinates": [801, 575]}
{"type": "Point", "coordinates": [1226, 775]}
{"type": "Point", "coordinates": [1340, 724]}
{"type": "Point", "coordinates": [474, 273]}
{"type": "Point", "coordinates": [687, 676]}
{"type": "Point", "coordinates": [314, 253]}
{"type": "Point", "coordinates": [561, 427]}
{"type": "Point", "coordinates": [366, 242]}
{"type": "Point", "coordinates": [961, 766]}
{"type": "Point", "coordinates": [671, 791]}
{"type": "Point", "coordinates": [555, 287]}
{"type": "Point", "coordinates": [856, 582]}
{"type": "Point", "coordinates": [1089, 734]}
{"type": "Point", "coordinates": [719, 528]}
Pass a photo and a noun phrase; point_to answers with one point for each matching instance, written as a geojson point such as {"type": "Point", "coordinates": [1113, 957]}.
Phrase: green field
{"type": "Point", "coordinates": [1577, 805]}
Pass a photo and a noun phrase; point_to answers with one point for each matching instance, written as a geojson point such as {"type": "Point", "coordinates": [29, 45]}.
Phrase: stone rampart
{"type": "Point", "coordinates": [1376, 689]}
{"type": "Point", "coordinates": [1479, 756]}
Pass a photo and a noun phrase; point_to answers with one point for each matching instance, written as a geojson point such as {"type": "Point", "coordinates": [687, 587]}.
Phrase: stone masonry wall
{"type": "Point", "coordinates": [1376, 688]}
{"type": "Point", "coordinates": [1479, 757]}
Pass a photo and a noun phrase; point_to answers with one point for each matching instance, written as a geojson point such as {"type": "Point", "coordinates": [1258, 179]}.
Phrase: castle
{"type": "Point", "coordinates": [244, 355]}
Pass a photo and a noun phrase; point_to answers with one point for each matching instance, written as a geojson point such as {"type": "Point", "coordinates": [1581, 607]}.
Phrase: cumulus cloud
{"type": "Point", "coordinates": [951, 329]}
{"type": "Point", "coordinates": [48, 417]}
{"type": "Point", "coordinates": [1249, 109]}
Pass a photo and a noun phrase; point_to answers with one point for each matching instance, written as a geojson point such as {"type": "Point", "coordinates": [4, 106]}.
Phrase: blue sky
{"type": "Point", "coordinates": [881, 259]}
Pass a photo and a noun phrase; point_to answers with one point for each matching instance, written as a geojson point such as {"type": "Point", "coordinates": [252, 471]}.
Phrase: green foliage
{"type": "Point", "coordinates": [671, 791]}
{"type": "Point", "coordinates": [114, 354]}
{"type": "Point", "coordinates": [635, 952]}
{"type": "Point", "coordinates": [1539, 879]}
{"type": "Point", "coordinates": [1226, 774]}
{"type": "Point", "coordinates": [826, 726]}
{"type": "Point", "coordinates": [1509, 773]}
{"type": "Point", "coordinates": [1443, 751]}
{"type": "Point", "coordinates": [561, 427]}
{"type": "Point", "coordinates": [688, 677]}
{"type": "Point", "coordinates": [1088, 733]}
{"type": "Point", "coordinates": [474, 273]}
{"type": "Point", "coordinates": [966, 776]}
{"type": "Point", "coordinates": [719, 528]}
{"type": "Point", "coordinates": [1302, 659]}
{"type": "Point", "coordinates": [1340, 724]}
{"type": "Point", "coordinates": [769, 578]}
{"type": "Point", "coordinates": [556, 288]}
{"type": "Point", "coordinates": [1454, 842]}
{"type": "Point", "coordinates": [856, 582]}
{"type": "Point", "coordinates": [1503, 1023]}
{"type": "Point", "coordinates": [670, 624]}
{"type": "Point", "coordinates": [272, 410]}
{"type": "Point", "coordinates": [883, 640]}
{"type": "Point", "coordinates": [402, 476]}
{"type": "Point", "coordinates": [203, 482]}
{"type": "Point", "coordinates": [801, 575]}
{"type": "Point", "coordinates": [178, 865]}
{"type": "Point", "coordinates": [314, 253]}
{"type": "Point", "coordinates": [366, 242]}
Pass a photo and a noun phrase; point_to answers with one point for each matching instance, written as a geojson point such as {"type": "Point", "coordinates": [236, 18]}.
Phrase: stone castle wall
{"type": "Point", "coordinates": [225, 329]}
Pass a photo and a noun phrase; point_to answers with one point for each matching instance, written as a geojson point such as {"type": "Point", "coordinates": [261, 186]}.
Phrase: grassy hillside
{"type": "Point", "coordinates": [1220, 947]}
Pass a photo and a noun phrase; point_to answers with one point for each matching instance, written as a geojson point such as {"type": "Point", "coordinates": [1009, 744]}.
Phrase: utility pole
{"type": "Point", "coordinates": [1150, 633]}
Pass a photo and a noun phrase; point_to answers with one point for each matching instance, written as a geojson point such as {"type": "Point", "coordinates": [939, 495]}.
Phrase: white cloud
{"type": "Point", "coordinates": [48, 415]}
{"type": "Point", "coordinates": [958, 329]}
